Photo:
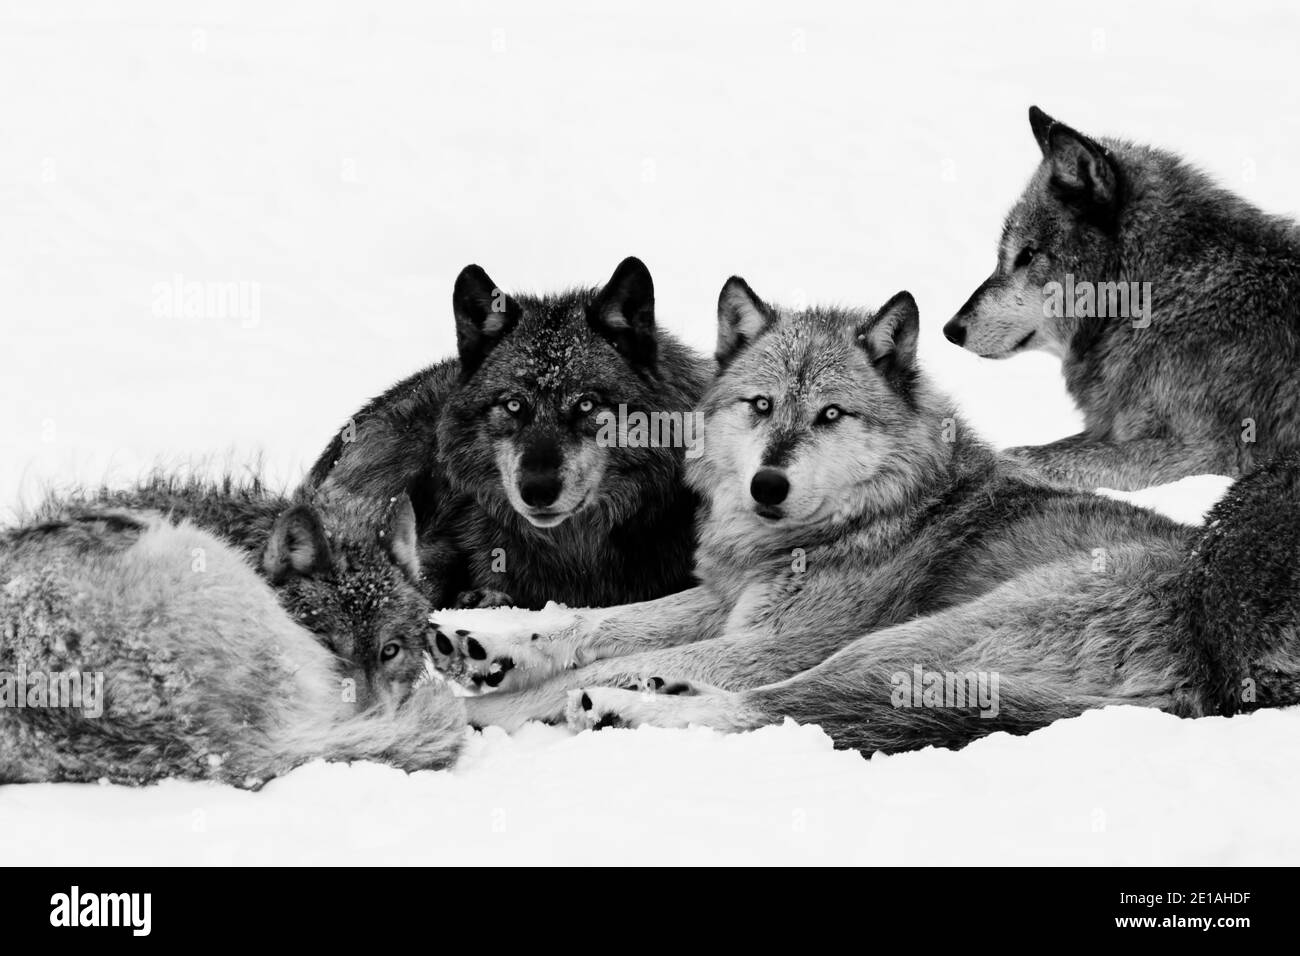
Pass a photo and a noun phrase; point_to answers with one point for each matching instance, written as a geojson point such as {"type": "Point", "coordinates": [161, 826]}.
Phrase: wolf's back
{"type": "Point", "coordinates": [1239, 601]}
{"type": "Point", "coordinates": [239, 509]}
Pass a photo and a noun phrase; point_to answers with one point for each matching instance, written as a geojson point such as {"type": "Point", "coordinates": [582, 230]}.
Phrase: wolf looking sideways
{"type": "Point", "coordinates": [517, 500]}
{"type": "Point", "coordinates": [854, 529]}
{"type": "Point", "coordinates": [204, 674]}
{"type": "Point", "coordinates": [1207, 378]}
{"type": "Point", "coordinates": [344, 567]}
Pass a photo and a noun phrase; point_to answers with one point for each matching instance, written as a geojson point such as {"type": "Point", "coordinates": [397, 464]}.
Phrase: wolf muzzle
{"type": "Point", "coordinates": [769, 487]}
{"type": "Point", "coordinates": [539, 474]}
{"type": "Point", "coordinates": [955, 331]}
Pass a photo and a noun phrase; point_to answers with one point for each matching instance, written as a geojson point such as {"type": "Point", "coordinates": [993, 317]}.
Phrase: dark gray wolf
{"type": "Point", "coordinates": [1173, 305]}
{"type": "Point", "coordinates": [135, 646]}
{"type": "Point", "coordinates": [867, 564]}
{"type": "Point", "coordinates": [520, 497]}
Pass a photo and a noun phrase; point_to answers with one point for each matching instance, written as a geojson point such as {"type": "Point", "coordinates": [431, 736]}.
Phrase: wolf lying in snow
{"type": "Point", "coordinates": [855, 534]}
{"type": "Point", "coordinates": [345, 567]}
{"type": "Point", "coordinates": [203, 672]}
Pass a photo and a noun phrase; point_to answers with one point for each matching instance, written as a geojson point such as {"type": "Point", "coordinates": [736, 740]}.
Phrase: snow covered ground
{"type": "Point", "coordinates": [336, 164]}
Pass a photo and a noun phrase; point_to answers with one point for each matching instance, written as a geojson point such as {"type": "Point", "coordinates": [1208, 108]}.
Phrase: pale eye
{"type": "Point", "coordinates": [763, 405]}
{"type": "Point", "coordinates": [390, 651]}
{"type": "Point", "coordinates": [514, 406]}
{"type": "Point", "coordinates": [586, 405]}
{"type": "Point", "coordinates": [830, 413]}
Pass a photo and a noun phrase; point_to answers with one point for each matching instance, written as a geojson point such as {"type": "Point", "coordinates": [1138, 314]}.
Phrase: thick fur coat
{"type": "Point", "coordinates": [518, 498]}
{"type": "Point", "coordinates": [1173, 304]}
{"type": "Point", "coordinates": [857, 537]}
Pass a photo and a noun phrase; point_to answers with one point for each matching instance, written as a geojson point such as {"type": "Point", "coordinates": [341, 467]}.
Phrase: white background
{"type": "Point", "coordinates": [349, 159]}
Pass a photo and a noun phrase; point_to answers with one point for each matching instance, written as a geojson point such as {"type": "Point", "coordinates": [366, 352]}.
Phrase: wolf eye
{"type": "Point", "coordinates": [829, 414]}
{"type": "Point", "coordinates": [1025, 257]}
{"type": "Point", "coordinates": [514, 406]}
{"type": "Point", "coordinates": [762, 404]}
{"type": "Point", "coordinates": [390, 650]}
{"type": "Point", "coordinates": [586, 405]}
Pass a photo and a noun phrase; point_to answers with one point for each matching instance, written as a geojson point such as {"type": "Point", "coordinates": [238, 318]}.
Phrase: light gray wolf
{"type": "Point", "coordinates": [866, 563]}
{"type": "Point", "coordinates": [1173, 304]}
{"type": "Point", "coordinates": [518, 498]}
{"type": "Point", "coordinates": [345, 567]}
{"type": "Point", "coordinates": [199, 670]}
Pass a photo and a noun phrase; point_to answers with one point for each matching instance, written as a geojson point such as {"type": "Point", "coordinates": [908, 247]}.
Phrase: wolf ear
{"type": "Point", "coordinates": [742, 318]}
{"type": "Point", "coordinates": [1041, 124]}
{"type": "Point", "coordinates": [889, 336]}
{"type": "Point", "coordinates": [399, 537]}
{"type": "Point", "coordinates": [1081, 168]}
{"type": "Point", "coordinates": [484, 314]}
{"type": "Point", "coordinates": [624, 312]}
{"type": "Point", "coordinates": [297, 545]}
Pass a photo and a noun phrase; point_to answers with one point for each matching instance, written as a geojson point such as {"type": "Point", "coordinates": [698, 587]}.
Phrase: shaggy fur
{"type": "Point", "coordinates": [516, 500]}
{"type": "Point", "coordinates": [205, 674]}
{"type": "Point", "coordinates": [904, 541]}
{"type": "Point", "coordinates": [1209, 381]}
{"type": "Point", "coordinates": [344, 567]}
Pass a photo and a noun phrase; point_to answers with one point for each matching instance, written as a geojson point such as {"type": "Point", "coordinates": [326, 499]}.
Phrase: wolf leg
{"type": "Point", "coordinates": [1011, 665]}
{"type": "Point", "coordinates": [526, 656]}
{"type": "Point", "coordinates": [733, 662]}
{"type": "Point", "coordinates": [1087, 464]}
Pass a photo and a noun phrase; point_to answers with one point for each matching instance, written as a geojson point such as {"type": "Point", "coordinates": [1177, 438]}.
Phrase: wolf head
{"type": "Point", "coordinates": [816, 417]}
{"type": "Point", "coordinates": [348, 571]}
{"type": "Point", "coordinates": [540, 376]}
{"type": "Point", "coordinates": [1065, 224]}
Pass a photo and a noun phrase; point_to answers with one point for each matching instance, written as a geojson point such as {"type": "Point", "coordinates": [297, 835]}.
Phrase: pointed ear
{"type": "Point", "coordinates": [1041, 124]}
{"type": "Point", "coordinates": [624, 312]}
{"type": "Point", "coordinates": [484, 314]}
{"type": "Point", "coordinates": [297, 545]}
{"type": "Point", "coordinates": [1082, 169]}
{"type": "Point", "coordinates": [742, 318]}
{"type": "Point", "coordinates": [400, 539]}
{"type": "Point", "coordinates": [889, 336]}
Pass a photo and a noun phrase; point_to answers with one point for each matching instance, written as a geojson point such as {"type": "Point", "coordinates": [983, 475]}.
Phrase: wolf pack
{"type": "Point", "coordinates": [839, 548]}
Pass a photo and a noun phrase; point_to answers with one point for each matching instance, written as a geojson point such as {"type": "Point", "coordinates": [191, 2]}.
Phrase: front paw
{"type": "Point", "coordinates": [506, 657]}
{"type": "Point", "coordinates": [598, 708]}
{"type": "Point", "coordinates": [657, 703]}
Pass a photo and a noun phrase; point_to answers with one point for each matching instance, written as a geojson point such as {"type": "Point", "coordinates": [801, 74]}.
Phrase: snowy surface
{"type": "Point", "coordinates": [345, 161]}
{"type": "Point", "coordinates": [1117, 786]}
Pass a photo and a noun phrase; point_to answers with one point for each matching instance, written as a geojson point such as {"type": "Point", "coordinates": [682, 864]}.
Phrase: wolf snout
{"type": "Point", "coordinates": [769, 486]}
{"type": "Point", "coordinates": [540, 489]}
{"type": "Point", "coordinates": [955, 331]}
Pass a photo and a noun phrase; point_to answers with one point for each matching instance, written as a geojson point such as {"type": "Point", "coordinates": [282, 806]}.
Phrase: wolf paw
{"type": "Point", "coordinates": [446, 658]}
{"type": "Point", "coordinates": [599, 708]}
{"type": "Point", "coordinates": [509, 659]}
{"type": "Point", "coordinates": [658, 703]}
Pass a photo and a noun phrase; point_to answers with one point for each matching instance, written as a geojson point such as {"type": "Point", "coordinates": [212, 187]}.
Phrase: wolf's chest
{"type": "Point", "coordinates": [583, 570]}
{"type": "Point", "coordinates": [1117, 386]}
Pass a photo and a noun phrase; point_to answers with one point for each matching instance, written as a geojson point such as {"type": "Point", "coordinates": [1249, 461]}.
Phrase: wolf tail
{"type": "Point", "coordinates": [1239, 600]}
{"type": "Point", "coordinates": [425, 732]}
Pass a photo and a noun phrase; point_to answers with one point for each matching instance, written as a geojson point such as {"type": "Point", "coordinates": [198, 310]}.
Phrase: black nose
{"type": "Point", "coordinates": [769, 486]}
{"type": "Point", "coordinates": [955, 332]}
{"type": "Point", "coordinates": [539, 489]}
